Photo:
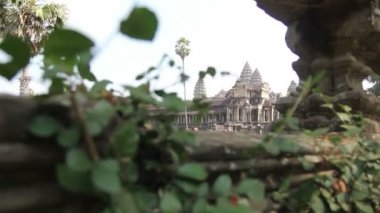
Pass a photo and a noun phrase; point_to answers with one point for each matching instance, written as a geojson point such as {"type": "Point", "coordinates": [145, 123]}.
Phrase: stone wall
{"type": "Point", "coordinates": [27, 164]}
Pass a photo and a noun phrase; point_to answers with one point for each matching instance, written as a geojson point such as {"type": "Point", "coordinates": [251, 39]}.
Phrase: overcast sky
{"type": "Point", "coordinates": [223, 34]}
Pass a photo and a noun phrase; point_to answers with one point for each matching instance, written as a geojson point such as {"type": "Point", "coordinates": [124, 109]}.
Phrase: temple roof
{"type": "Point", "coordinates": [256, 77]}
{"type": "Point", "coordinates": [238, 82]}
{"type": "Point", "coordinates": [221, 94]}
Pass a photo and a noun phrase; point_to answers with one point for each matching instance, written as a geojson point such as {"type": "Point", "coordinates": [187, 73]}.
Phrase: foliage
{"type": "Point", "coordinates": [118, 149]}
{"type": "Point", "coordinates": [182, 48]}
{"type": "Point", "coordinates": [30, 20]}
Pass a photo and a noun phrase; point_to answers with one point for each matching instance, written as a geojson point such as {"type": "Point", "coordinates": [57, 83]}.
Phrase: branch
{"type": "Point", "coordinates": [88, 139]}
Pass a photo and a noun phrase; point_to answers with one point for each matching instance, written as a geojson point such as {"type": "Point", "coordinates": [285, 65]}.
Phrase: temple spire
{"type": "Point", "coordinates": [245, 76]}
{"type": "Point", "coordinates": [292, 87]}
{"type": "Point", "coordinates": [256, 78]}
{"type": "Point", "coordinates": [24, 84]}
{"type": "Point", "coordinates": [200, 90]}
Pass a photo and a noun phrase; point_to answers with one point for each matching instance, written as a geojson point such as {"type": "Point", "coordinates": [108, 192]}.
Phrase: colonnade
{"type": "Point", "coordinates": [256, 115]}
{"type": "Point", "coordinates": [193, 119]}
{"type": "Point", "coordinates": [232, 114]}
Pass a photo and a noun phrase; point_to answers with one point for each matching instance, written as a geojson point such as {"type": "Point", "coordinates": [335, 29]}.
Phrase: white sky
{"type": "Point", "coordinates": [223, 33]}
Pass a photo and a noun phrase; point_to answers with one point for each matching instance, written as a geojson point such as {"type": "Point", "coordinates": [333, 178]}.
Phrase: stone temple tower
{"type": "Point", "coordinates": [292, 87]}
{"type": "Point", "coordinates": [246, 73]}
{"type": "Point", "coordinates": [24, 84]}
{"type": "Point", "coordinates": [256, 78]}
{"type": "Point", "coordinates": [200, 90]}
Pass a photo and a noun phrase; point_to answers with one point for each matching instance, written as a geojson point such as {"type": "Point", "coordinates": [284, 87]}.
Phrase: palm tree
{"type": "Point", "coordinates": [33, 22]}
{"type": "Point", "coordinates": [182, 49]}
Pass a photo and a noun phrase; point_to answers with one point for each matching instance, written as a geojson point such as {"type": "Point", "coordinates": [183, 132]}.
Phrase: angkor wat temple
{"type": "Point", "coordinates": [248, 105]}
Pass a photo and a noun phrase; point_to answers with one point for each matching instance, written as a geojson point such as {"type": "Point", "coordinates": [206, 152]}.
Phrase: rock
{"type": "Point", "coordinates": [339, 38]}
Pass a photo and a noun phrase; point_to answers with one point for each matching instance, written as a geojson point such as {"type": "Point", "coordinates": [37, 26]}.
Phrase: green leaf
{"type": "Point", "coordinates": [224, 205]}
{"type": "Point", "coordinates": [254, 188]}
{"type": "Point", "coordinates": [57, 86]}
{"type": "Point", "coordinates": [357, 195]}
{"type": "Point", "coordinates": [211, 71]}
{"type": "Point", "coordinates": [202, 74]}
{"type": "Point", "coordinates": [192, 171]}
{"type": "Point", "coordinates": [318, 132]}
{"type": "Point", "coordinates": [124, 202]}
{"type": "Point", "coordinates": [184, 77]}
{"type": "Point", "coordinates": [305, 192]}
{"type": "Point", "coordinates": [225, 73]}
{"type": "Point", "coordinates": [105, 176]}
{"type": "Point", "coordinates": [170, 203]}
{"type": "Point", "coordinates": [329, 106]}
{"type": "Point", "coordinates": [94, 127]}
{"type": "Point", "coordinates": [141, 24]}
{"type": "Point", "coordinates": [140, 76]}
{"type": "Point", "coordinates": [142, 94]}
{"type": "Point", "coordinates": [98, 117]}
{"type": "Point", "coordinates": [285, 184]}
{"type": "Point", "coordinates": [351, 129]}
{"type": "Point", "coordinates": [78, 160]}
{"type": "Point", "coordinates": [68, 137]}
{"type": "Point", "coordinates": [333, 206]}
{"type": "Point", "coordinates": [99, 87]}
{"type": "Point", "coordinates": [344, 117]}
{"type": "Point", "coordinates": [335, 139]}
{"type": "Point", "coordinates": [104, 110]}
{"type": "Point", "coordinates": [20, 54]}
{"type": "Point", "coordinates": [327, 194]}
{"type": "Point", "coordinates": [222, 185]}
{"type": "Point", "coordinates": [84, 66]}
{"type": "Point", "coordinates": [64, 42]}
{"type": "Point", "coordinates": [316, 204]}
{"type": "Point", "coordinates": [186, 186]}
{"type": "Point", "coordinates": [126, 139]}
{"type": "Point", "coordinates": [73, 180]}
{"type": "Point", "coordinates": [200, 206]}
{"type": "Point", "coordinates": [345, 108]}
{"type": "Point", "coordinates": [364, 207]}
{"type": "Point", "coordinates": [109, 165]}
{"type": "Point", "coordinates": [145, 201]}
{"type": "Point", "coordinates": [131, 172]}
{"type": "Point", "coordinates": [44, 126]}
{"type": "Point", "coordinates": [307, 165]}
{"type": "Point", "coordinates": [182, 137]}
{"type": "Point", "coordinates": [203, 190]}
{"type": "Point", "coordinates": [272, 148]}
{"type": "Point", "coordinates": [173, 103]}
{"type": "Point", "coordinates": [285, 144]}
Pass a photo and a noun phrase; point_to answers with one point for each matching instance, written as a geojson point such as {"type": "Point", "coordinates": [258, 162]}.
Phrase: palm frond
{"type": "Point", "coordinates": [30, 21]}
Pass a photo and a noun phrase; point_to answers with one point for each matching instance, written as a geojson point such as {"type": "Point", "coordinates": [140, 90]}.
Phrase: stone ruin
{"type": "Point", "coordinates": [340, 37]}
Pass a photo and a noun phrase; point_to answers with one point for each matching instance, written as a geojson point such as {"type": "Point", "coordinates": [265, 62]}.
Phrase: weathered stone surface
{"type": "Point", "coordinates": [339, 37]}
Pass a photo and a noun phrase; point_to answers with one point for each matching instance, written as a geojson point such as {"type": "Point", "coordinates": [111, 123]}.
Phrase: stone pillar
{"type": "Point", "coordinates": [236, 113]}
{"type": "Point", "coordinates": [227, 114]}
{"type": "Point", "coordinates": [264, 111]}
{"type": "Point", "coordinates": [242, 114]}
{"type": "Point", "coordinates": [259, 115]}
{"type": "Point", "coordinates": [249, 115]}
